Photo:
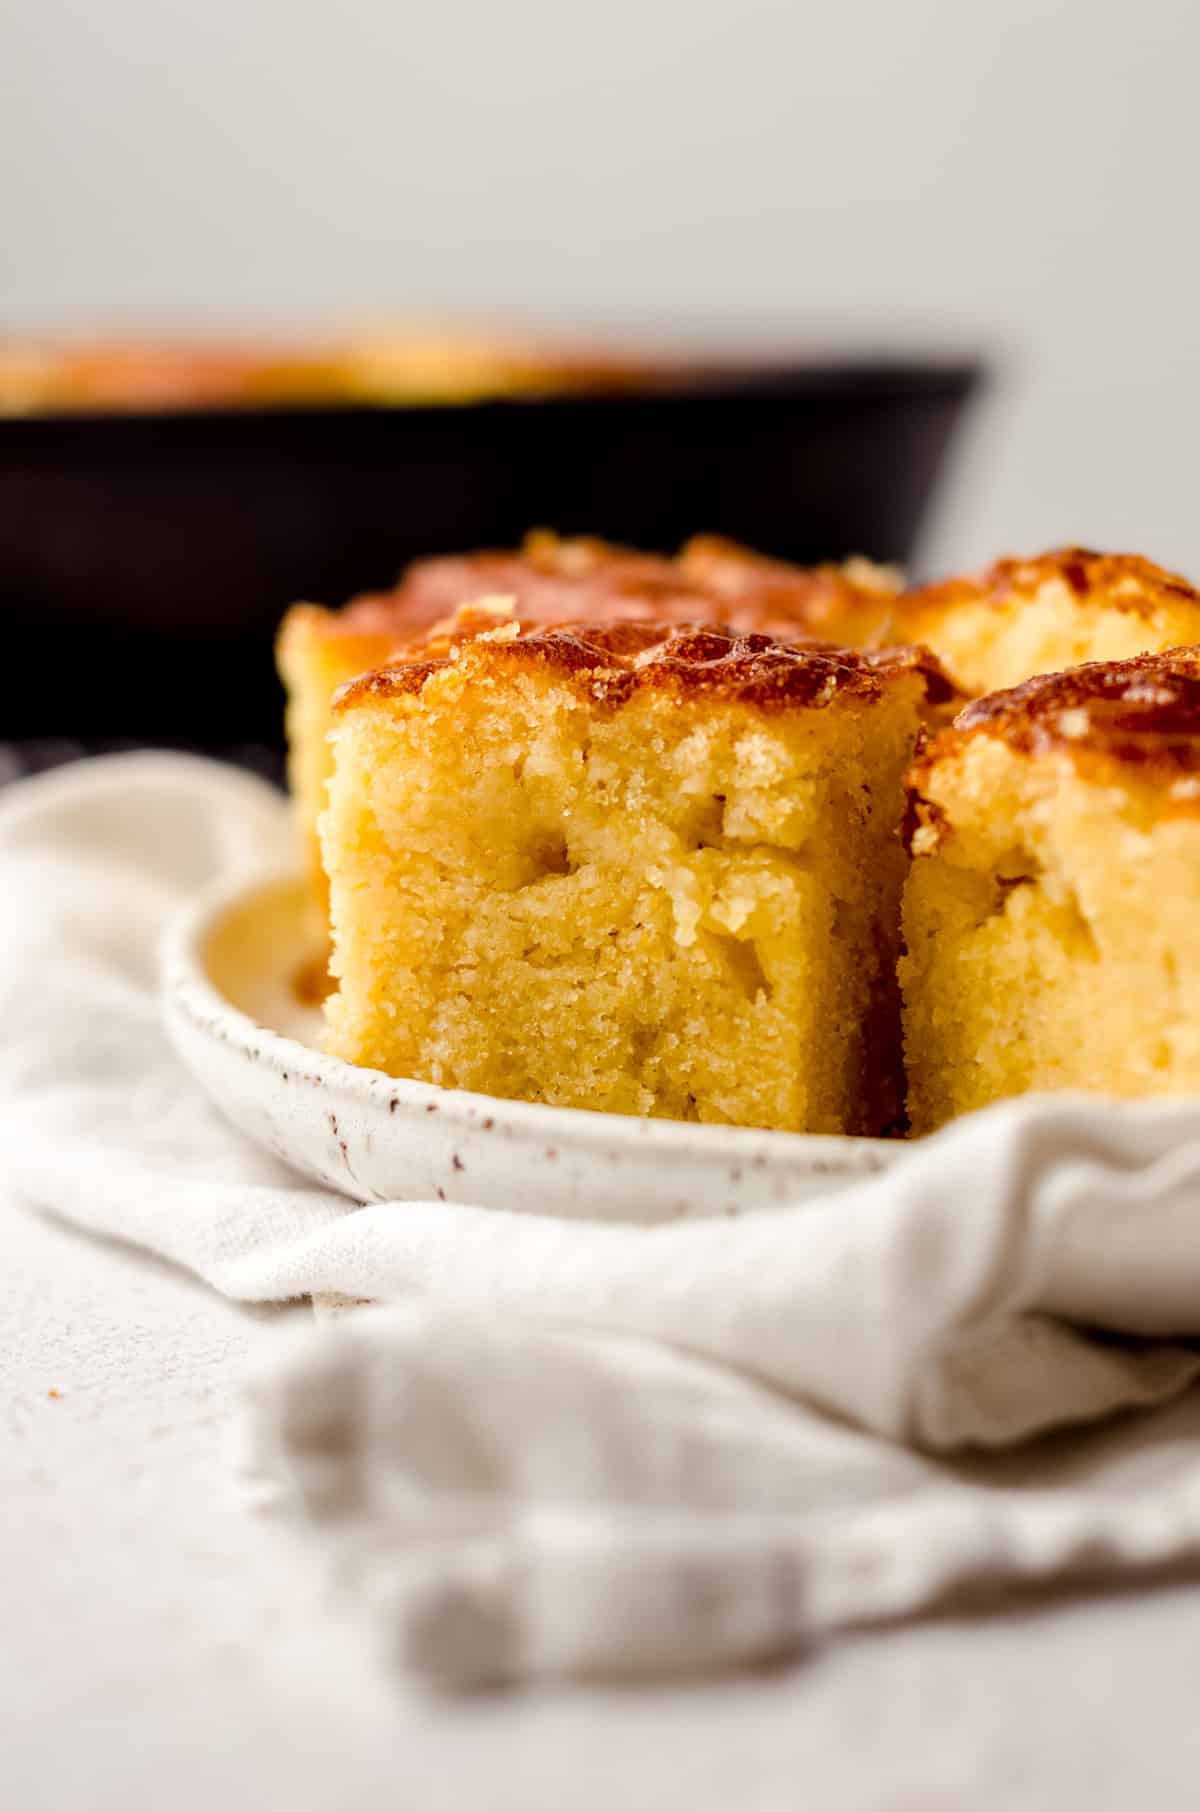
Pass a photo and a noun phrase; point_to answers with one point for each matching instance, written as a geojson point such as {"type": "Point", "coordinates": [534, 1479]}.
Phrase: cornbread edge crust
{"type": "Point", "coordinates": [1055, 878]}
{"type": "Point", "coordinates": [649, 870]}
{"type": "Point", "coordinates": [1023, 617]}
{"type": "Point", "coordinates": [614, 660]}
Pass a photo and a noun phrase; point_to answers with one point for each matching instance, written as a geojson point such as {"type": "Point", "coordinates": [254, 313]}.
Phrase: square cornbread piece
{"type": "Point", "coordinates": [998, 628]}
{"type": "Point", "coordinates": [634, 868]}
{"type": "Point", "coordinates": [1052, 910]}
{"type": "Point", "coordinates": [552, 580]}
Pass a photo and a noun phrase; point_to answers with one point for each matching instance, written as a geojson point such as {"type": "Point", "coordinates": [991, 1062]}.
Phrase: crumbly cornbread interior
{"type": "Point", "coordinates": [1050, 911]}
{"type": "Point", "coordinates": [659, 876]}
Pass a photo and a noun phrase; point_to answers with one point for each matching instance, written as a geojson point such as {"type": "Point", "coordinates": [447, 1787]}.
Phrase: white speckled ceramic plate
{"type": "Point", "coordinates": [234, 1017]}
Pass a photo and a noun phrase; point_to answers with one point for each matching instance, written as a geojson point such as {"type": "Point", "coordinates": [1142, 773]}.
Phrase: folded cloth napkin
{"type": "Point", "coordinates": [572, 1448]}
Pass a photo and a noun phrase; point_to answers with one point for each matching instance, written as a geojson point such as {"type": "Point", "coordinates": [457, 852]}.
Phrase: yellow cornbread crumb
{"type": "Point", "coordinates": [1051, 912]}
{"type": "Point", "coordinates": [641, 870]}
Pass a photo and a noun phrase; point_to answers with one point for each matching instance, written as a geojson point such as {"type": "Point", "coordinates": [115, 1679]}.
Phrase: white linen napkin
{"type": "Point", "coordinates": [575, 1447]}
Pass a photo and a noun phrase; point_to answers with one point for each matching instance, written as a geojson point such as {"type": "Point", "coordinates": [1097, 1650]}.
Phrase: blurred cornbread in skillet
{"type": "Point", "coordinates": [635, 867]}
{"type": "Point", "coordinates": [552, 580]}
{"type": "Point", "coordinates": [412, 364]}
{"type": "Point", "coordinates": [1019, 618]}
{"type": "Point", "coordinates": [1052, 910]}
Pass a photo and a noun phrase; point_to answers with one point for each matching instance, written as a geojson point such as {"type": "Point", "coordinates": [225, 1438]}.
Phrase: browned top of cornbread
{"type": "Point", "coordinates": [820, 597]}
{"type": "Point", "coordinates": [1115, 581]}
{"type": "Point", "coordinates": [612, 661]}
{"type": "Point", "coordinates": [1143, 713]}
{"type": "Point", "coordinates": [584, 579]}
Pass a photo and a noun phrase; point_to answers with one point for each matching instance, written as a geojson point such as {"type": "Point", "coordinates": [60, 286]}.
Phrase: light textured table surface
{"type": "Point", "coordinates": [161, 1647]}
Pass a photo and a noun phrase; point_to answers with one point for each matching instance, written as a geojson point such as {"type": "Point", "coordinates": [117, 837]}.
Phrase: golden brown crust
{"type": "Point", "coordinates": [780, 595]}
{"type": "Point", "coordinates": [614, 660]}
{"type": "Point", "coordinates": [1125, 582]}
{"type": "Point", "coordinates": [909, 657]}
{"type": "Point", "coordinates": [582, 579]}
{"type": "Point", "coordinates": [1142, 713]}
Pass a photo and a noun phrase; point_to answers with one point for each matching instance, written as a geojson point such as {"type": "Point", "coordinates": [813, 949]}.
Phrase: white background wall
{"type": "Point", "coordinates": [1018, 172]}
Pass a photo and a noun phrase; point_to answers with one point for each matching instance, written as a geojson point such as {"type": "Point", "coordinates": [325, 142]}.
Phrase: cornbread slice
{"type": "Point", "coordinates": [552, 580]}
{"type": "Point", "coordinates": [1052, 910]}
{"type": "Point", "coordinates": [1060, 609]}
{"type": "Point", "coordinates": [638, 868]}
